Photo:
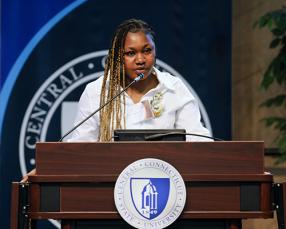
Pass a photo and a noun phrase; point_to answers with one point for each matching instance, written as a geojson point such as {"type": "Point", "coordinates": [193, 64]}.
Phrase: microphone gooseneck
{"type": "Point", "coordinates": [139, 77]}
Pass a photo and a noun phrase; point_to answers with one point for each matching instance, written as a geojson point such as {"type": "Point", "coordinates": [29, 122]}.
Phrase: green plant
{"type": "Point", "coordinates": [275, 21]}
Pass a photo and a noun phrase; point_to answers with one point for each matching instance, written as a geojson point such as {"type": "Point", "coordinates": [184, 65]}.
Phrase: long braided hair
{"type": "Point", "coordinates": [114, 78]}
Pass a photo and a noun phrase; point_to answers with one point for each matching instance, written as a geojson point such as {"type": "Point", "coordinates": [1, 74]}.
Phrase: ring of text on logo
{"type": "Point", "coordinates": [150, 193]}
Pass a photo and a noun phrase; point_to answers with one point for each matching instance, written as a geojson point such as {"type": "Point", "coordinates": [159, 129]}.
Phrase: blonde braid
{"type": "Point", "coordinates": [111, 115]}
{"type": "Point", "coordinates": [105, 114]}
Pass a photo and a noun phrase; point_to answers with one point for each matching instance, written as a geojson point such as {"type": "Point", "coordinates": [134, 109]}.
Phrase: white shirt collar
{"type": "Point", "coordinates": [164, 81]}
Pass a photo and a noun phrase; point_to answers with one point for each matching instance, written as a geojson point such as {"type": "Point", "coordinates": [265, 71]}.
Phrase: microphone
{"type": "Point", "coordinates": [139, 77]}
{"type": "Point", "coordinates": [154, 136]}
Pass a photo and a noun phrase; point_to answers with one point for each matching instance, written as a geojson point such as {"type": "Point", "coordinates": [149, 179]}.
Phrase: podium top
{"type": "Point", "coordinates": [189, 158]}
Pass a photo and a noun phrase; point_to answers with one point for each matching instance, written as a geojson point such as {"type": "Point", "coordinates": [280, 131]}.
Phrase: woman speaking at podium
{"type": "Point", "coordinates": [155, 100]}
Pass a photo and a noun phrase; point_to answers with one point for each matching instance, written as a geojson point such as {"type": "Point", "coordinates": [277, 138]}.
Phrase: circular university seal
{"type": "Point", "coordinates": [150, 193]}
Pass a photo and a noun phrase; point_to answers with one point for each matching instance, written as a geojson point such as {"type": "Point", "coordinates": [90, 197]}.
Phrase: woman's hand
{"type": "Point", "coordinates": [25, 178]}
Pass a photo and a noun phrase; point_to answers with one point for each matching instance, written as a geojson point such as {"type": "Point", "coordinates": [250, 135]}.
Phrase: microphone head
{"type": "Point", "coordinates": [139, 77]}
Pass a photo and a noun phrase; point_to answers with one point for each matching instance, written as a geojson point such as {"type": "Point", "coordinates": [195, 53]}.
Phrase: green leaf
{"type": "Point", "coordinates": [274, 43]}
{"type": "Point", "coordinates": [276, 122]}
{"type": "Point", "coordinates": [275, 101]}
{"type": "Point", "coordinates": [280, 21]}
{"type": "Point", "coordinates": [267, 79]}
{"type": "Point", "coordinates": [262, 21]}
{"type": "Point", "coordinates": [268, 121]}
{"type": "Point", "coordinates": [269, 24]}
{"type": "Point", "coordinates": [282, 144]}
{"type": "Point", "coordinates": [280, 77]}
{"type": "Point", "coordinates": [279, 68]}
{"type": "Point", "coordinates": [277, 32]}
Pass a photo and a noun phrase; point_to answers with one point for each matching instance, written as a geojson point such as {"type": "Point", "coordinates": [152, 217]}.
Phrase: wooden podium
{"type": "Point", "coordinates": [225, 182]}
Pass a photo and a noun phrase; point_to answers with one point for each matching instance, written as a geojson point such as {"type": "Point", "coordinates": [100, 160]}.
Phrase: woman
{"type": "Point", "coordinates": [158, 101]}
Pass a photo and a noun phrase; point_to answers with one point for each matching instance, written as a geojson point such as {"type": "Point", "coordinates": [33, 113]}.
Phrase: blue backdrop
{"type": "Point", "coordinates": [51, 48]}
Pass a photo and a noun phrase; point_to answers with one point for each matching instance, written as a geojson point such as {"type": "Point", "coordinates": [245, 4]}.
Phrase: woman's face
{"type": "Point", "coordinates": [139, 54]}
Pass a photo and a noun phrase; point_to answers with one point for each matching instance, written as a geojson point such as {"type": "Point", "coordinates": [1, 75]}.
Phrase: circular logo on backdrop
{"type": "Point", "coordinates": [150, 193]}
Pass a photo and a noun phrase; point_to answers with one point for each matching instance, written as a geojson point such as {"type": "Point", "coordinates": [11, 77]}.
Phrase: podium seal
{"type": "Point", "coordinates": [150, 193]}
